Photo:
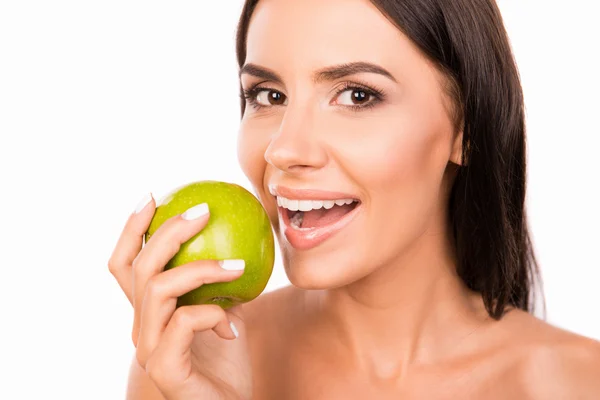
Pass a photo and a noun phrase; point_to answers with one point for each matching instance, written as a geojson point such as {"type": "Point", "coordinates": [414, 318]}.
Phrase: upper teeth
{"type": "Point", "coordinates": [307, 205]}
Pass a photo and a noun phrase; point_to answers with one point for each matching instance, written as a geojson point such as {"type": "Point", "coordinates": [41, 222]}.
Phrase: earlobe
{"type": "Point", "coordinates": [456, 156]}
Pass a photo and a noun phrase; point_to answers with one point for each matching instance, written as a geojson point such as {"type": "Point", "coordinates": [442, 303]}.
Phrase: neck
{"type": "Point", "coordinates": [413, 310]}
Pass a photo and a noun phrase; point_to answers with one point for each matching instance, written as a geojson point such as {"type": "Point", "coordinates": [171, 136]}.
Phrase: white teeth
{"type": "Point", "coordinates": [292, 205]}
{"type": "Point", "coordinates": [316, 204]}
{"type": "Point", "coordinates": [307, 205]}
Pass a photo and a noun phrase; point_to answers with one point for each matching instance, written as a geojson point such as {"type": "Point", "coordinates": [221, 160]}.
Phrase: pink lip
{"type": "Point", "coordinates": [308, 238]}
{"type": "Point", "coordinates": [308, 194]}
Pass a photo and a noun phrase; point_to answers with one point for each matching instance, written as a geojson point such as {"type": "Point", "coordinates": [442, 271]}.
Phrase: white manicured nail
{"type": "Point", "coordinates": [143, 203]}
{"type": "Point", "coordinates": [195, 212]}
{"type": "Point", "coordinates": [232, 265]}
{"type": "Point", "coordinates": [234, 329]}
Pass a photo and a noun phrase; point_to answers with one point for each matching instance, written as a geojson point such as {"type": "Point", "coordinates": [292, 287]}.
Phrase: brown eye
{"type": "Point", "coordinates": [355, 97]}
{"type": "Point", "coordinates": [359, 96]}
{"type": "Point", "coordinates": [269, 97]}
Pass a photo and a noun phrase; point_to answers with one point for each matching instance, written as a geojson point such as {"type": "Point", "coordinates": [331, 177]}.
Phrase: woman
{"type": "Point", "coordinates": [421, 287]}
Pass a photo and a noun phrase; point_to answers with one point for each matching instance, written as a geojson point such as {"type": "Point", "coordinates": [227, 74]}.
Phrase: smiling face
{"type": "Point", "coordinates": [377, 134]}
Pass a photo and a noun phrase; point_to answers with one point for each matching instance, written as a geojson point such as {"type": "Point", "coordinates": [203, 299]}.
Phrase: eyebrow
{"type": "Point", "coordinates": [325, 74]}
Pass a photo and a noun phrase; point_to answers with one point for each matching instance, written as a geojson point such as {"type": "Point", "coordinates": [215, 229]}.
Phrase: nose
{"type": "Point", "coordinates": [296, 147]}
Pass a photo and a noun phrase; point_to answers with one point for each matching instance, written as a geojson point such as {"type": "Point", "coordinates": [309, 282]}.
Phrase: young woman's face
{"type": "Point", "coordinates": [378, 133]}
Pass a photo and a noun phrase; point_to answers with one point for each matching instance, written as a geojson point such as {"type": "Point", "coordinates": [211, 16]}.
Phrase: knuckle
{"type": "Point", "coordinates": [138, 268]}
{"type": "Point", "coordinates": [112, 266]}
{"type": "Point", "coordinates": [154, 369]}
{"type": "Point", "coordinates": [155, 287]}
{"type": "Point", "coordinates": [135, 260]}
{"type": "Point", "coordinates": [141, 358]}
{"type": "Point", "coordinates": [181, 317]}
{"type": "Point", "coordinates": [157, 370]}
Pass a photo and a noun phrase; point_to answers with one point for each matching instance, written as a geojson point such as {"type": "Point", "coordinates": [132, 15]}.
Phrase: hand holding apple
{"type": "Point", "coordinates": [182, 348]}
{"type": "Point", "coordinates": [238, 228]}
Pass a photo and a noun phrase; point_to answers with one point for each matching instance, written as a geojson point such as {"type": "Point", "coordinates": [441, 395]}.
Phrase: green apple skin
{"type": "Point", "coordinates": [238, 228]}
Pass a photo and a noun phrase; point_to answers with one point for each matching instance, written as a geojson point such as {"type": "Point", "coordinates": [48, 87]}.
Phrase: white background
{"type": "Point", "coordinates": [103, 101]}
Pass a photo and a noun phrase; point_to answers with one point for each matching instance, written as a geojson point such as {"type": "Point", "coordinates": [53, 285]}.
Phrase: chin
{"type": "Point", "coordinates": [326, 267]}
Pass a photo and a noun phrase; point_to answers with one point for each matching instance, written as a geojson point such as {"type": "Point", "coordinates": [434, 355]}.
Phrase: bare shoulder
{"type": "Point", "coordinates": [555, 363]}
{"type": "Point", "coordinates": [566, 368]}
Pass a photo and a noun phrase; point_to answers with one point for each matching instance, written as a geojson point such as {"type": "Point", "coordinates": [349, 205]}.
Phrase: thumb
{"type": "Point", "coordinates": [236, 315]}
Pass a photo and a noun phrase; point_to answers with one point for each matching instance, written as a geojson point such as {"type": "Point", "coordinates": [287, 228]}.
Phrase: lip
{"type": "Point", "coordinates": [308, 238]}
{"type": "Point", "coordinates": [308, 194]}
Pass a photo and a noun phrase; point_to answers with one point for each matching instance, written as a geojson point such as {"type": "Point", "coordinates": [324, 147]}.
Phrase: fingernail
{"type": "Point", "coordinates": [234, 329]}
{"type": "Point", "coordinates": [143, 203]}
{"type": "Point", "coordinates": [195, 212]}
{"type": "Point", "coordinates": [232, 265]}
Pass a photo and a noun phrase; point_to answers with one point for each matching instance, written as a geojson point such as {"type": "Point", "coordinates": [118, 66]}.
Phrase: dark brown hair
{"type": "Point", "coordinates": [467, 41]}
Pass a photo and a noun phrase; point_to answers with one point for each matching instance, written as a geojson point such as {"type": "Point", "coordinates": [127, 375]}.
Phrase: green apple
{"type": "Point", "coordinates": [238, 228]}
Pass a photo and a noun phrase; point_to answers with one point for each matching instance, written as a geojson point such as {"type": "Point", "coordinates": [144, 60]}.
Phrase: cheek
{"type": "Point", "coordinates": [398, 152]}
{"type": "Point", "coordinates": [250, 155]}
{"type": "Point", "coordinates": [251, 145]}
{"type": "Point", "coordinates": [399, 163]}
{"type": "Point", "coordinates": [400, 166]}
{"type": "Point", "coordinates": [253, 140]}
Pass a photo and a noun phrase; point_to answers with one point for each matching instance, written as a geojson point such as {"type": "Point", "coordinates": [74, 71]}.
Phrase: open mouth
{"type": "Point", "coordinates": [314, 214]}
{"type": "Point", "coordinates": [309, 217]}
{"type": "Point", "coordinates": [308, 223]}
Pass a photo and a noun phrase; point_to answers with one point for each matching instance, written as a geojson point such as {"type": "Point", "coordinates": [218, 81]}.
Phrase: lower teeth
{"type": "Point", "coordinates": [296, 220]}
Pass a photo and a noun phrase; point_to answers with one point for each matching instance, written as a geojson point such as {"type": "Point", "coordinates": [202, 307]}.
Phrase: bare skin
{"type": "Point", "coordinates": [375, 311]}
{"type": "Point", "coordinates": [297, 356]}
{"type": "Point", "coordinates": [518, 357]}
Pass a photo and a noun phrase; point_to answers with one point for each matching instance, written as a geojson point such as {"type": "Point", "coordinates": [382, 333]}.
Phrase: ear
{"type": "Point", "coordinates": [457, 149]}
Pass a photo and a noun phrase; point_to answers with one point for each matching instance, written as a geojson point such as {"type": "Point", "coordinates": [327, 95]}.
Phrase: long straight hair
{"type": "Point", "coordinates": [467, 41]}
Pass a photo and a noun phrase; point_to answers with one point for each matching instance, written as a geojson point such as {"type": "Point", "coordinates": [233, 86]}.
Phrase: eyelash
{"type": "Point", "coordinates": [378, 95]}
